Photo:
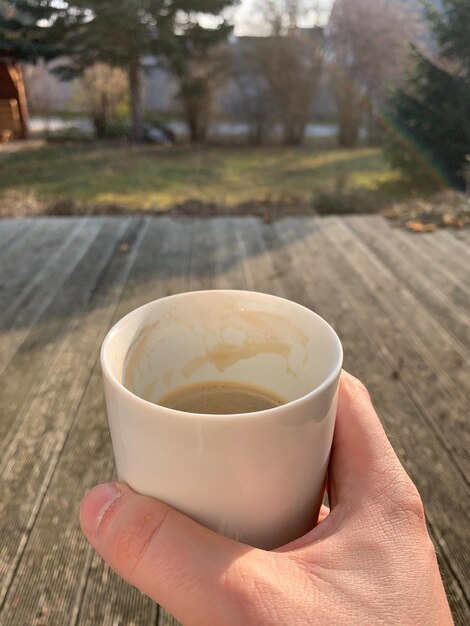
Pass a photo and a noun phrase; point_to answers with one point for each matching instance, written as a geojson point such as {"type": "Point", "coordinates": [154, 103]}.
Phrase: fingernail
{"type": "Point", "coordinates": [96, 503]}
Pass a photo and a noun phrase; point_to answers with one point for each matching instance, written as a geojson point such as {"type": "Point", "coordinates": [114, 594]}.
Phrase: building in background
{"type": "Point", "coordinates": [48, 94]}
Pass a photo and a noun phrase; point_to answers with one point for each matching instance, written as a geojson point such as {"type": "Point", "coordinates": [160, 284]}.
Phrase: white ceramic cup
{"type": "Point", "coordinates": [256, 477]}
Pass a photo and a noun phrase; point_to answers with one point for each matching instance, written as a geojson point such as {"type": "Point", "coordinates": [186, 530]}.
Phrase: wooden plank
{"type": "Point", "coordinates": [449, 312]}
{"type": "Point", "coordinates": [58, 579]}
{"type": "Point", "coordinates": [405, 331]}
{"type": "Point", "coordinates": [10, 228]}
{"type": "Point", "coordinates": [51, 570]}
{"type": "Point", "coordinates": [31, 348]}
{"type": "Point", "coordinates": [13, 250]}
{"type": "Point", "coordinates": [456, 240]}
{"type": "Point", "coordinates": [165, 619]}
{"type": "Point", "coordinates": [51, 248]}
{"type": "Point", "coordinates": [423, 253]}
{"type": "Point", "coordinates": [200, 275]}
{"type": "Point", "coordinates": [439, 302]}
{"type": "Point", "coordinates": [161, 269]}
{"type": "Point", "coordinates": [256, 258]}
{"type": "Point", "coordinates": [421, 452]}
{"type": "Point", "coordinates": [44, 424]}
{"type": "Point", "coordinates": [18, 274]}
{"type": "Point", "coordinates": [447, 253]}
{"type": "Point", "coordinates": [228, 269]}
{"type": "Point", "coordinates": [170, 272]}
{"type": "Point", "coordinates": [16, 323]}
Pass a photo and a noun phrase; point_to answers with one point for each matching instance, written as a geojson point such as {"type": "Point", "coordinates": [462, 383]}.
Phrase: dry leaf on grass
{"type": "Point", "coordinates": [455, 221]}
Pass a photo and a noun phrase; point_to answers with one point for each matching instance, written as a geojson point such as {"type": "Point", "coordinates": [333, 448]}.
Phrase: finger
{"type": "Point", "coordinates": [362, 458]}
{"type": "Point", "coordinates": [171, 558]}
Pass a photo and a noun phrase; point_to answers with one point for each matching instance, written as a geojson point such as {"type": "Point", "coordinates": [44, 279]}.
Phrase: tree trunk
{"type": "Point", "coordinates": [197, 116]}
{"type": "Point", "coordinates": [256, 134]}
{"type": "Point", "coordinates": [350, 107]}
{"type": "Point", "coordinates": [348, 134]}
{"type": "Point", "coordinates": [375, 129]}
{"type": "Point", "coordinates": [293, 133]}
{"type": "Point", "coordinates": [193, 129]}
{"type": "Point", "coordinates": [99, 122]}
{"type": "Point", "coordinates": [137, 101]}
{"type": "Point", "coordinates": [197, 130]}
{"type": "Point", "coordinates": [349, 121]}
{"type": "Point", "coordinates": [100, 118]}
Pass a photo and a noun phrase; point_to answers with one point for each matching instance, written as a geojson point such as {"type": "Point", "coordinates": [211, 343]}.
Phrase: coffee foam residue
{"type": "Point", "coordinates": [225, 355]}
{"type": "Point", "coordinates": [135, 353]}
{"type": "Point", "coordinates": [262, 332]}
{"type": "Point", "coordinates": [167, 377]}
{"type": "Point", "coordinates": [225, 320]}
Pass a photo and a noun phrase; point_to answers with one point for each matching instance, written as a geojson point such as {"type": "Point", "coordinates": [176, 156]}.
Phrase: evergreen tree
{"type": "Point", "coordinates": [117, 32]}
{"type": "Point", "coordinates": [432, 112]}
{"type": "Point", "coordinates": [21, 35]}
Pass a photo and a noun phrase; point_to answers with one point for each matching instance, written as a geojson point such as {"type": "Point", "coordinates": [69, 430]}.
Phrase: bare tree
{"type": "Point", "coordinates": [290, 59]}
{"type": "Point", "coordinates": [369, 43]}
{"type": "Point", "coordinates": [248, 95]}
{"type": "Point", "coordinates": [280, 17]}
{"type": "Point", "coordinates": [200, 78]}
{"type": "Point", "coordinates": [100, 91]}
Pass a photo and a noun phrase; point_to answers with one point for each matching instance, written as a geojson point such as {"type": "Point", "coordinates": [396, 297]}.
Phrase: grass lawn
{"type": "Point", "coordinates": [148, 177]}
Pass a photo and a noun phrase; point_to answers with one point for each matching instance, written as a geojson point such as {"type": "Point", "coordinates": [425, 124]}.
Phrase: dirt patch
{"type": "Point", "coordinates": [12, 147]}
{"type": "Point", "coordinates": [17, 204]}
{"type": "Point", "coordinates": [445, 210]}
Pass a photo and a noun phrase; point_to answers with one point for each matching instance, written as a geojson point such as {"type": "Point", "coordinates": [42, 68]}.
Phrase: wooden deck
{"type": "Point", "coordinates": [400, 303]}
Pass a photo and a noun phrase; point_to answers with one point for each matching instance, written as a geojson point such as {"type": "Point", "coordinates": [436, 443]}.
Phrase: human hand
{"type": "Point", "coordinates": [369, 560]}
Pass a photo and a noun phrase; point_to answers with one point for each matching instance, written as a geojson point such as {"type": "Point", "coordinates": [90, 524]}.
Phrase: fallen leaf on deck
{"type": "Point", "coordinates": [418, 227]}
{"type": "Point", "coordinates": [123, 248]}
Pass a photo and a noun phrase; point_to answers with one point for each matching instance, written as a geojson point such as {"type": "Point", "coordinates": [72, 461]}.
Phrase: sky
{"type": "Point", "coordinates": [244, 15]}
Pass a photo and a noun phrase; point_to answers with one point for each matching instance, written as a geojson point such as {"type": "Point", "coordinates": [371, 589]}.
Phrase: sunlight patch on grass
{"type": "Point", "coordinates": [148, 177]}
{"type": "Point", "coordinates": [374, 180]}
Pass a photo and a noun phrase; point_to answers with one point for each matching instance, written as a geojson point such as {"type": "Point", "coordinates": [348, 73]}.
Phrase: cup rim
{"type": "Point", "coordinates": [175, 413]}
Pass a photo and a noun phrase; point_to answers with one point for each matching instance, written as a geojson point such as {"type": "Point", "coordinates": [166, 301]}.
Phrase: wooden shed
{"type": "Point", "coordinates": [13, 105]}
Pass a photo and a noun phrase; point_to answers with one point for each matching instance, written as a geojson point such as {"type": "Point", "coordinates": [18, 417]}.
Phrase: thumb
{"type": "Point", "coordinates": [178, 563]}
{"type": "Point", "coordinates": [363, 463]}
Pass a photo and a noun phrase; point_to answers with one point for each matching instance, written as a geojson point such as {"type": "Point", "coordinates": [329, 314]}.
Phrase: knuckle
{"type": "Point", "coordinates": [403, 506]}
{"type": "Point", "coordinates": [249, 581]}
{"type": "Point", "coordinates": [238, 577]}
{"type": "Point", "coordinates": [411, 504]}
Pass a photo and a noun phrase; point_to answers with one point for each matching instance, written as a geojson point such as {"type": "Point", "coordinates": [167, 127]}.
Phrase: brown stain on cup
{"type": "Point", "coordinates": [262, 332]}
{"type": "Point", "coordinates": [227, 354]}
